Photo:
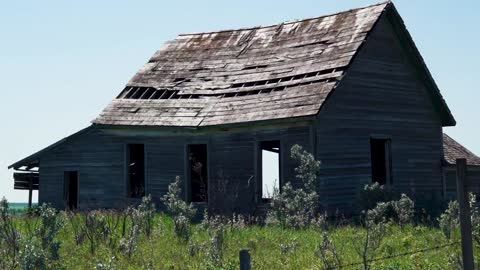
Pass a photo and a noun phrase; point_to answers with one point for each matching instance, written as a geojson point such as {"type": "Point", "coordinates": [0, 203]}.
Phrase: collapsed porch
{"type": "Point", "coordinates": [27, 178]}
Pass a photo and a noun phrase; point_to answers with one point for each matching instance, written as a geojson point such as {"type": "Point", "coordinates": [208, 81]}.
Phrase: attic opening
{"type": "Point", "coordinates": [381, 160]}
{"type": "Point", "coordinates": [269, 161]}
{"type": "Point", "coordinates": [197, 174]}
{"type": "Point", "coordinates": [70, 189]}
{"type": "Point", "coordinates": [136, 170]}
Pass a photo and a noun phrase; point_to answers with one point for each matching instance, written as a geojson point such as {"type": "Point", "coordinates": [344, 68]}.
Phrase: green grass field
{"type": "Point", "coordinates": [18, 206]}
{"type": "Point", "coordinates": [271, 247]}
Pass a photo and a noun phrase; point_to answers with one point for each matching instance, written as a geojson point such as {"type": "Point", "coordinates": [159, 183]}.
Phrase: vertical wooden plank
{"type": "Point", "coordinates": [257, 172]}
{"type": "Point", "coordinates": [245, 263]}
{"type": "Point", "coordinates": [313, 139]}
{"type": "Point", "coordinates": [210, 173]}
{"type": "Point", "coordinates": [186, 178]}
{"type": "Point", "coordinates": [465, 221]}
{"type": "Point", "coordinates": [444, 183]}
{"type": "Point", "coordinates": [145, 169]}
{"type": "Point", "coordinates": [30, 187]}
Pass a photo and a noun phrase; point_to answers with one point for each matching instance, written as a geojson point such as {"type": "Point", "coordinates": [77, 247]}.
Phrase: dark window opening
{"type": "Point", "coordinates": [269, 161]}
{"type": "Point", "coordinates": [136, 170]}
{"type": "Point", "coordinates": [381, 161]}
{"type": "Point", "coordinates": [197, 161]}
{"type": "Point", "coordinates": [70, 189]}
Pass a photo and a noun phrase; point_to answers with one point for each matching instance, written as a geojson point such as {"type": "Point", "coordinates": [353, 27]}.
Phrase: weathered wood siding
{"type": "Point", "coordinates": [99, 156]}
{"type": "Point", "coordinates": [380, 95]}
{"type": "Point", "coordinates": [99, 160]}
{"type": "Point", "coordinates": [473, 178]}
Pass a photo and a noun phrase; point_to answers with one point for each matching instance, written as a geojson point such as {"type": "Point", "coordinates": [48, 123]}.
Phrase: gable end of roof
{"type": "Point", "coordinates": [426, 77]}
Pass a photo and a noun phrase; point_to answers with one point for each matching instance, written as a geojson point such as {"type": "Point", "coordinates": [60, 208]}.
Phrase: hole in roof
{"type": "Point", "coordinates": [254, 67]}
{"type": "Point", "coordinates": [271, 85]}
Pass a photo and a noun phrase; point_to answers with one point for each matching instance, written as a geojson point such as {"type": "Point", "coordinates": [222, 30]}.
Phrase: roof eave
{"type": "Point", "coordinates": [249, 124]}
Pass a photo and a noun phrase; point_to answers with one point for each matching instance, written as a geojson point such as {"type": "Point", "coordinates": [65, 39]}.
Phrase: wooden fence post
{"type": "Point", "coordinates": [465, 220]}
{"type": "Point", "coordinates": [245, 260]}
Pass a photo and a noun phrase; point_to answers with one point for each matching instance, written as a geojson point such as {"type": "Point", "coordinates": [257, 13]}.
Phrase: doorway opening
{"type": "Point", "coordinates": [70, 189]}
{"type": "Point", "coordinates": [381, 159]}
{"type": "Point", "coordinates": [136, 170]}
{"type": "Point", "coordinates": [198, 174]}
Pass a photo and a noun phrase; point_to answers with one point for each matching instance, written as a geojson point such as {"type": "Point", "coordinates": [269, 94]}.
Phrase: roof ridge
{"type": "Point", "coordinates": [386, 3]}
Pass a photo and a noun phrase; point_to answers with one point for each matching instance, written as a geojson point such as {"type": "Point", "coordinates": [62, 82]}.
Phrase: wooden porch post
{"type": "Point", "coordinates": [30, 187]}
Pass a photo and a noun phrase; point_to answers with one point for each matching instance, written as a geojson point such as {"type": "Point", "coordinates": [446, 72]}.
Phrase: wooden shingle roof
{"type": "Point", "coordinates": [262, 73]}
{"type": "Point", "coordinates": [453, 150]}
{"type": "Point", "coordinates": [253, 74]}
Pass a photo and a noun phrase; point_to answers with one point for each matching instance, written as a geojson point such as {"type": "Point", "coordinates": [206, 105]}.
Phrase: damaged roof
{"type": "Point", "coordinates": [454, 150]}
{"type": "Point", "coordinates": [262, 73]}
{"type": "Point", "coordinates": [252, 74]}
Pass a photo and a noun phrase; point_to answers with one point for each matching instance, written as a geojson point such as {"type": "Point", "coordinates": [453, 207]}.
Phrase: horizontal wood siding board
{"type": "Point", "coordinates": [99, 158]}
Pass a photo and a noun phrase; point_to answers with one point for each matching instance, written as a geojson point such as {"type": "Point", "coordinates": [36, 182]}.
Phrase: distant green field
{"type": "Point", "coordinates": [19, 206]}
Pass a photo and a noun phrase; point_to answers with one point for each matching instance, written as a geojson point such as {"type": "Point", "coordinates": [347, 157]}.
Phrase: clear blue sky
{"type": "Point", "coordinates": [61, 62]}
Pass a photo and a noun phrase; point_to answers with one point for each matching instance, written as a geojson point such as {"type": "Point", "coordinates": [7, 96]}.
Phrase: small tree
{"type": "Point", "coordinates": [181, 212]}
{"type": "Point", "coordinates": [328, 254]}
{"type": "Point", "coordinates": [373, 194]}
{"type": "Point", "coordinates": [449, 220]}
{"type": "Point", "coordinates": [297, 207]}
{"type": "Point", "coordinates": [50, 224]}
{"type": "Point", "coordinates": [365, 245]}
{"type": "Point", "coordinates": [146, 213]}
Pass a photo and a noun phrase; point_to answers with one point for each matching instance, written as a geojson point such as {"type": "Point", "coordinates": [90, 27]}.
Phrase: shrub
{"type": "Point", "coordinates": [181, 212]}
{"type": "Point", "coordinates": [372, 194]}
{"type": "Point", "coordinates": [50, 224]}
{"type": "Point", "coordinates": [145, 213]}
{"type": "Point", "coordinates": [289, 247]}
{"type": "Point", "coordinates": [215, 251]}
{"type": "Point", "coordinates": [475, 216]}
{"type": "Point", "coordinates": [297, 207]}
{"type": "Point", "coordinates": [308, 168]}
{"type": "Point", "coordinates": [9, 237]}
{"type": "Point", "coordinates": [449, 220]}
{"type": "Point", "coordinates": [400, 211]}
{"type": "Point", "coordinates": [129, 242]}
{"type": "Point", "coordinates": [96, 228]}
{"type": "Point", "coordinates": [328, 254]}
{"type": "Point", "coordinates": [78, 229]}
{"type": "Point", "coordinates": [108, 264]}
{"type": "Point", "coordinates": [404, 209]}
{"type": "Point", "coordinates": [366, 244]}
{"type": "Point", "coordinates": [141, 219]}
{"type": "Point", "coordinates": [32, 257]}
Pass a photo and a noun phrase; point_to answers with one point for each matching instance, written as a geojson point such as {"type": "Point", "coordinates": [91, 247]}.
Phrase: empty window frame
{"type": "Point", "coordinates": [136, 170]}
{"type": "Point", "coordinates": [70, 189]}
{"type": "Point", "coordinates": [381, 160]}
{"type": "Point", "coordinates": [270, 163]}
{"type": "Point", "coordinates": [197, 174]}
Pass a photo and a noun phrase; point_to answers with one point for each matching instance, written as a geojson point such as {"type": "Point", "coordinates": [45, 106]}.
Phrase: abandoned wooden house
{"type": "Point", "coordinates": [351, 88]}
